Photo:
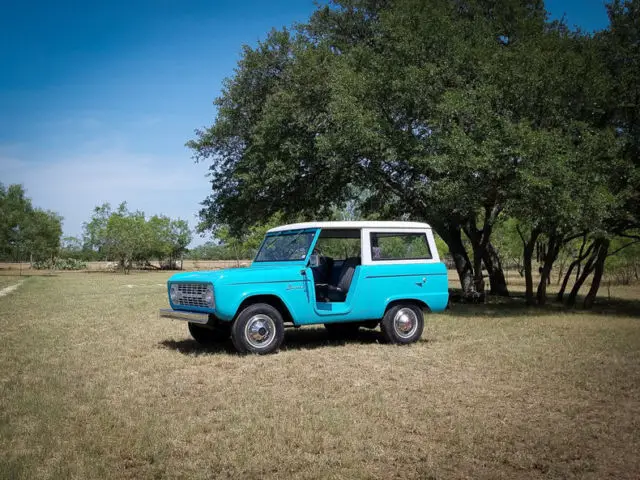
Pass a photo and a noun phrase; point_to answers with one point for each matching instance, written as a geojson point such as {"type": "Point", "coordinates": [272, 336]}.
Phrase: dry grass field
{"type": "Point", "coordinates": [94, 385]}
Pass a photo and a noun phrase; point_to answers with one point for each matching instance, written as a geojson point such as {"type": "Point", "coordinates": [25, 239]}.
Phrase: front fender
{"type": "Point", "coordinates": [232, 297]}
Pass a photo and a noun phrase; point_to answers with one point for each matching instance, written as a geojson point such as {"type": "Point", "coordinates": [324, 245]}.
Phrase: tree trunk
{"type": "Point", "coordinates": [548, 259]}
{"type": "Point", "coordinates": [528, 278]}
{"type": "Point", "coordinates": [573, 295]}
{"type": "Point", "coordinates": [563, 263]}
{"type": "Point", "coordinates": [475, 236]}
{"type": "Point", "coordinates": [496, 275]}
{"type": "Point", "coordinates": [478, 279]}
{"type": "Point", "coordinates": [529, 247]}
{"type": "Point", "coordinates": [563, 287]}
{"type": "Point", "coordinates": [479, 239]}
{"type": "Point", "coordinates": [452, 235]}
{"type": "Point", "coordinates": [586, 271]}
{"type": "Point", "coordinates": [597, 275]}
{"type": "Point", "coordinates": [581, 256]}
{"type": "Point", "coordinates": [541, 292]}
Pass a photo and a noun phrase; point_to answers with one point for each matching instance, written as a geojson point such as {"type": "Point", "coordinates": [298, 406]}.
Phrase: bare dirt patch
{"type": "Point", "coordinates": [7, 290]}
{"type": "Point", "coordinates": [8, 283]}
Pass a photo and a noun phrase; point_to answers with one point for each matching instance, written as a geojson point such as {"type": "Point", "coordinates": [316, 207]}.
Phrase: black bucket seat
{"type": "Point", "coordinates": [338, 292]}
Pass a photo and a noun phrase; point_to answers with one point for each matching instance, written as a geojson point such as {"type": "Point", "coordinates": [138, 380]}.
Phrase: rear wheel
{"type": "Point", "coordinates": [402, 324]}
{"type": "Point", "coordinates": [258, 329]}
{"type": "Point", "coordinates": [210, 335]}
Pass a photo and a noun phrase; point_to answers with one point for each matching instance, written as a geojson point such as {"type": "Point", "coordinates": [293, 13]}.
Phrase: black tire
{"type": "Point", "coordinates": [342, 330]}
{"type": "Point", "coordinates": [259, 329]}
{"type": "Point", "coordinates": [402, 324]}
{"type": "Point", "coordinates": [209, 335]}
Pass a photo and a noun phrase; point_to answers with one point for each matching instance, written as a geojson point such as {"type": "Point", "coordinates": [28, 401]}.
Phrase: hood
{"type": "Point", "coordinates": [272, 271]}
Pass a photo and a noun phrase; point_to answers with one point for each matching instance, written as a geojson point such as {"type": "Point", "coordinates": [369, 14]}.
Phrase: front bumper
{"type": "Point", "coordinates": [191, 317]}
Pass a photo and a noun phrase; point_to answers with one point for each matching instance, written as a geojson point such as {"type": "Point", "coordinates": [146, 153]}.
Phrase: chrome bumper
{"type": "Point", "coordinates": [201, 318]}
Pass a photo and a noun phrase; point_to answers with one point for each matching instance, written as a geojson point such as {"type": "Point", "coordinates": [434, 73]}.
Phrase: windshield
{"type": "Point", "coordinates": [285, 246]}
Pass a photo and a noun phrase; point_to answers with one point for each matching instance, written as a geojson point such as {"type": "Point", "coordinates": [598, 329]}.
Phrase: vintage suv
{"type": "Point", "coordinates": [341, 274]}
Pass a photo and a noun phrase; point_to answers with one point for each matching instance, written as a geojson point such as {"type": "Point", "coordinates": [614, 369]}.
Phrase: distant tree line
{"type": "Point", "coordinates": [514, 136]}
{"type": "Point", "coordinates": [128, 238]}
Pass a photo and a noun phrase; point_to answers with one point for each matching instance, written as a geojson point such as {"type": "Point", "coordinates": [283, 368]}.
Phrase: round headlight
{"type": "Point", "coordinates": [208, 296]}
{"type": "Point", "coordinates": [173, 293]}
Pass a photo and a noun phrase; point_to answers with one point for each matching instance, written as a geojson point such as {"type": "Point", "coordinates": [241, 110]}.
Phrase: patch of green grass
{"type": "Point", "coordinates": [94, 385]}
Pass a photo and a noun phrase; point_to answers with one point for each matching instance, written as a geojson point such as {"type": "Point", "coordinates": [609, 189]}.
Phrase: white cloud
{"type": "Point", "coordinates": [75, 185]}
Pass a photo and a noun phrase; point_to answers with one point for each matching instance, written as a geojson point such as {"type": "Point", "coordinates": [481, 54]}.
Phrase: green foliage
{"type": "Point", "coordinates": [443, 249]}
{"type": "Point", "coordinates": [42, 234]}
{"type": "Point", "coordinates": [623, 264]}
{"type": "Point", "coordinates": [167, 238]}
{"type": "Point", "coordinates": [385, 97]}
{"type": "Point", "coordinates": [508, 243]}
{"type": "Point", "coordinates": [26, 232]}
{"type": "Point", "coordinates": [94, 237]}
{"type": "Point", "coordinates": [129, 237]}
{"type": "Point", "coordinates": [620, 52]}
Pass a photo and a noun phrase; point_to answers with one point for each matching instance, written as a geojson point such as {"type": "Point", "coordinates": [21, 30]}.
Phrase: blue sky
{"type": "Point", "coordinates": [98, 98]}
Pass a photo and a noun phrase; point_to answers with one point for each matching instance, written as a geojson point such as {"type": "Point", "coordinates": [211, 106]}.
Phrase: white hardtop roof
{"type": "Point", "coordinates": [348, 225]}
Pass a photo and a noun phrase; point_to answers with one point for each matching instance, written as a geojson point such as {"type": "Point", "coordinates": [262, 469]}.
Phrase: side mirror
{"type": "Point", "coordinates": [314, 260]}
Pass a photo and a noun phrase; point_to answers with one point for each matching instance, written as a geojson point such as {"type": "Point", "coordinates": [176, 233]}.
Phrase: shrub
{"type": "Point", "coordinates": [59, 264]}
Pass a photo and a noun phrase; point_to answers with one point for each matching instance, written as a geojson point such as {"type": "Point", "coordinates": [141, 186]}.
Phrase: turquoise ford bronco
{"type": "Point", "coordinates": [345, 275]}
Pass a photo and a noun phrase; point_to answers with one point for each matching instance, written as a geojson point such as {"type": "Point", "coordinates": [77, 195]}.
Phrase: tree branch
{"type": "Point", "coordinates": [627, 235]}
{"type": "Point", "coordinates": [623, 247]}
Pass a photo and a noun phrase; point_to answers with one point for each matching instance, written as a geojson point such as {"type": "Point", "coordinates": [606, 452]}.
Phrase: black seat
{"type": "Point", "coordinates": [322, 273]}
{"type": "Point", "coordinates": [338, 292]}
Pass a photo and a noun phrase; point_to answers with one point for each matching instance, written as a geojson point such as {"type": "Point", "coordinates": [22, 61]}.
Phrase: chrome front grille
{"type": "Point", "coordinates": [191, 294]}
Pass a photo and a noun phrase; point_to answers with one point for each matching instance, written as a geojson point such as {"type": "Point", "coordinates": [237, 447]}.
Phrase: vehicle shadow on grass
{"type": "Point", "coordinates": [189, 346]}
{"type": "Point", "coordinates": [515, 306]}
{"type": "Point", "coordinates": [294, 339]}
{"type": "Point", "coordinates": [312, 338]}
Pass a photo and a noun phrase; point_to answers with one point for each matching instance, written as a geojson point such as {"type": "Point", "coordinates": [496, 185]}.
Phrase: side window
{"type": "Point", "coordinates": [399, 246]}
{"type": "Point", "coordinates": [338, 248]}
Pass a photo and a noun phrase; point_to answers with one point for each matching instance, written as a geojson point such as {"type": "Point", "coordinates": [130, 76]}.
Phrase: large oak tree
{"type": "Point", "coordinates": [453, 112]}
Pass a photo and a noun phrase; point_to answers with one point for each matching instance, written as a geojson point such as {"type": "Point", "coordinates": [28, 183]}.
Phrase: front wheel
{"type": "Point", "coordinates": [402, 324]}
{"type": "Point", "coordinates": [258, 329]}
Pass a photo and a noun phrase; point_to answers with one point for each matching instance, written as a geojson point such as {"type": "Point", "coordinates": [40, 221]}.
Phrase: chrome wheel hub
{"type": "Point", "coordinates": [260, 331]}
{"type": "Point", "coordinates": [405, 322]}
